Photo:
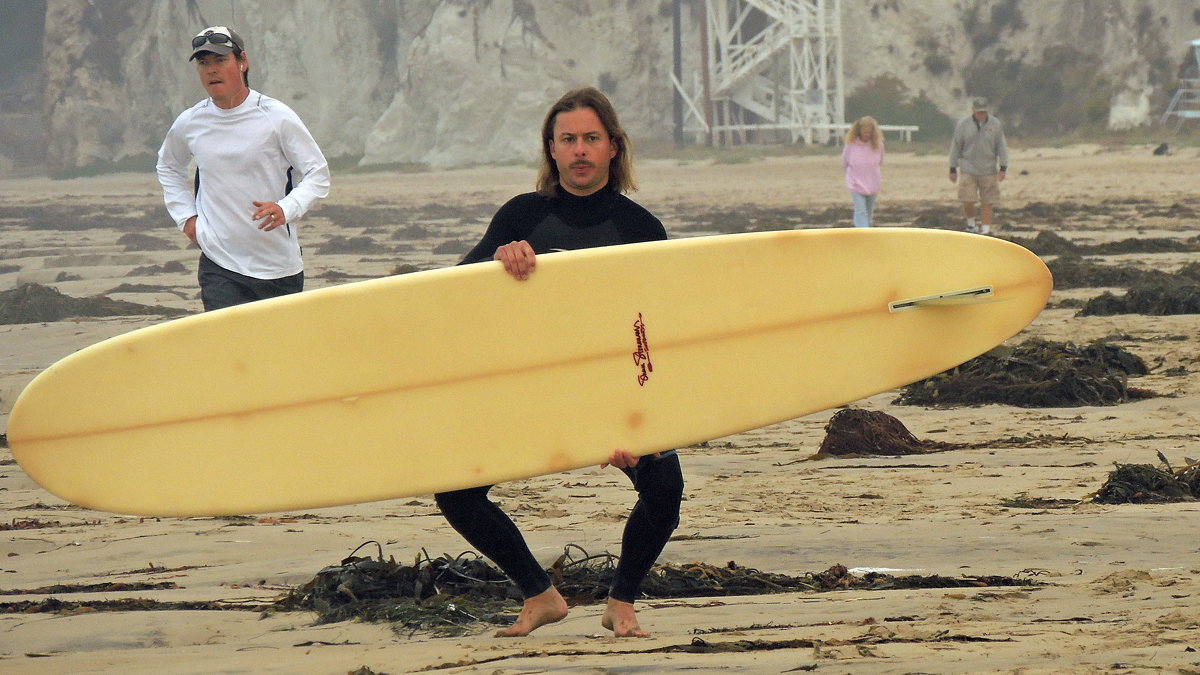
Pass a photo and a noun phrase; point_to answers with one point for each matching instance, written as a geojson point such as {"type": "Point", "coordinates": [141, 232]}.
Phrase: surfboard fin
{"type": "Point", "coordinates": [968, 296]}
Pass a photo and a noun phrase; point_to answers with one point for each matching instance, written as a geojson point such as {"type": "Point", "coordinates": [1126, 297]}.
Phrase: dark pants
{"type": "Point", "coordinates": [220, 287]}
{"type": "Point", "coordinates": [659, 484]}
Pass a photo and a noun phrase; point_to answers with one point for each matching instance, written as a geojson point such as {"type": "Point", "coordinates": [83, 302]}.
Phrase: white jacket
{"type": "Point", "coordinates": [978, 148]}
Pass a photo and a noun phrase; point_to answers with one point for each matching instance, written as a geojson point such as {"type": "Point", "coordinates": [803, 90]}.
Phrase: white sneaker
{"type": "Point", "coordinates": [971, 227]}
{"type": "Point", "coordinates": [985, 229]}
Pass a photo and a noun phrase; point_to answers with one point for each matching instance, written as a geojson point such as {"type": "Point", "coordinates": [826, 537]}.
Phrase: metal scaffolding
{"type": "Point", "coordinates": [1185, 104]}
{"type": "Point", "coordinates": [771, 71]}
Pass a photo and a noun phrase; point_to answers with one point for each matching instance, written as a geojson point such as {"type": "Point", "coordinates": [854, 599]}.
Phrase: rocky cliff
{"type": "Point", "coordinates": [1049, 66]}
{"type": "Point", "coordinates": [454, 82]}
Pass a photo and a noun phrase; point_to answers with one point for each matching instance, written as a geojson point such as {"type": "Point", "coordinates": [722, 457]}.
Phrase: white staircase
{"type": "Point", "coordinates": [772, 72]}
{"type": "Point", "coordinates": [1185, 104]}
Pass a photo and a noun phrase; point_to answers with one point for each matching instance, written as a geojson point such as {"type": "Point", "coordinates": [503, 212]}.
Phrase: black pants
{"type": "Point", "coordinates": [659, 484]}
{"type": "Point", "coordinates": [220, 287]}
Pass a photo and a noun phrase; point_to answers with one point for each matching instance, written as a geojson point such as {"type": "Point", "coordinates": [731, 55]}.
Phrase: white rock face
{"type": "Point", "coordinates": [1117, 50]}
{"type": "Point", "coordinates": [458, 82]}
{"type": "Point", "coordinates": [337, 64]}
{"type": "Point", "coordinates": [481, 76]}
{"type": "Point", "coordinates": [1129, 109]}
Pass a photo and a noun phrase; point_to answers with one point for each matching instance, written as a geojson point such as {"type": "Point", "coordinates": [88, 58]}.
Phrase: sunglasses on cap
{"type": "Point", "coordinates": [214, 38]}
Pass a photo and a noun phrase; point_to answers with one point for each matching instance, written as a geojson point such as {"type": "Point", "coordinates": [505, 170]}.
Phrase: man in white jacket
{"type": "Point", "coordinates": [258, 170]}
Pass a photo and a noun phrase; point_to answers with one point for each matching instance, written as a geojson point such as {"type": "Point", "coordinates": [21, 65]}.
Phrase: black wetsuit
{"type": "Point", "coordinates": [568, 222]}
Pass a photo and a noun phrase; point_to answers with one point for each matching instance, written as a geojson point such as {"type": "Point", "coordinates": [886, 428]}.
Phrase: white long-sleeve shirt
{"type": "Point", "coordinates": [243, 155]}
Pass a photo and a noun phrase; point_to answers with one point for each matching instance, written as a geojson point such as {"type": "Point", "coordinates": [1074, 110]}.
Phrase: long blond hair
{"type": "Point", "coordinates": [869, 122]}
{"type": "Point", "coordinates": [620, 170]}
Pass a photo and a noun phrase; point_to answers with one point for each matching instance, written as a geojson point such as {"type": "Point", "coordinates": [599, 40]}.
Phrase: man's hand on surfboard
{"type": "Point", "coordinates": [518, 258]}
{"type": "Point", "coordinates": [622, 459]}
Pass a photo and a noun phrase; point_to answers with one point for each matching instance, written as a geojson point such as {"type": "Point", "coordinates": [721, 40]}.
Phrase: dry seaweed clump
{"type": "Point", "coordinates": [1047, 242]}
{"type": "Point", "coordinates": [339, 244]}
{"type": "Point", "coordinates": [701, 580]}
{"type": "Point", "coordinates": [449, 595]}
{"type": "Point", "coordinates": [136, 241]}
{"type": "Point", "coordinates": [34, 303]}
{"type": "Point", "coordinates": [1036, 374]}
{"type": "Point", "coordinates": [1076, 273]}
{"type": "Point", "coordinates": [852, 431]}
{"type": "Point", "coordinates": [1150, 299]}
{"type": "Point", "coordinates": [431, 594]}
{"type": "Point", "coordinates": [1148, 484]}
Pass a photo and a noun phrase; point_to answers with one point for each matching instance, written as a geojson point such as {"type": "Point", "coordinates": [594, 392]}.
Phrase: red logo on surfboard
{"type": "Point", "coordinates": [641, 357]}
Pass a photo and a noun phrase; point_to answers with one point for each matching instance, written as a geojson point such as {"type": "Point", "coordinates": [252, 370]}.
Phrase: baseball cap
{"type": "Point", "coordinates": [979, 104]}
{"type": "Point", "coordinates": [216, 39]}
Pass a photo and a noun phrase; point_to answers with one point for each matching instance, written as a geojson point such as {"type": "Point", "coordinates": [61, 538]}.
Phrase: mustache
{"type": "Point", "coordinates": [581, 162]}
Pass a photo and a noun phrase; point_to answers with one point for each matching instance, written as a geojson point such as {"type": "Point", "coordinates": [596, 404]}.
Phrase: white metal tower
{"type": "Point", "coordinates": [1185, 104]}
{"type": "Point", "coordinates": [771, 71]}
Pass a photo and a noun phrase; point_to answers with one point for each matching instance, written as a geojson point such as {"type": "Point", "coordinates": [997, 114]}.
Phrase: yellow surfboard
{"type": "Point", "coordinates": [463, 376]}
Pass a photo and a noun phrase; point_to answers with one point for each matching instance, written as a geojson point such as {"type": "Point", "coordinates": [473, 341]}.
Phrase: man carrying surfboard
{"type": "Point", "coordinates": [587, 166]}
{"type": "Point", "coordinates": [258, 170]}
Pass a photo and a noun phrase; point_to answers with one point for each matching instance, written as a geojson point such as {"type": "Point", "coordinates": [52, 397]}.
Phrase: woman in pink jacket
{"type": "Point", "coordinates": [862, 160]}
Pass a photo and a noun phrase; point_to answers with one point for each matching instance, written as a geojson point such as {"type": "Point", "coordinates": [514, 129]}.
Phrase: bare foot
{"type": "Point", "coordinates": [543, 608]}
{"type": "Point", "coordinates": [620, 618]}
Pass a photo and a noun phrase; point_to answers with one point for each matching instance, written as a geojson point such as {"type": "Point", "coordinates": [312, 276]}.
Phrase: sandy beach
{"type": "Point", "coordinates": [1120, 584]}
